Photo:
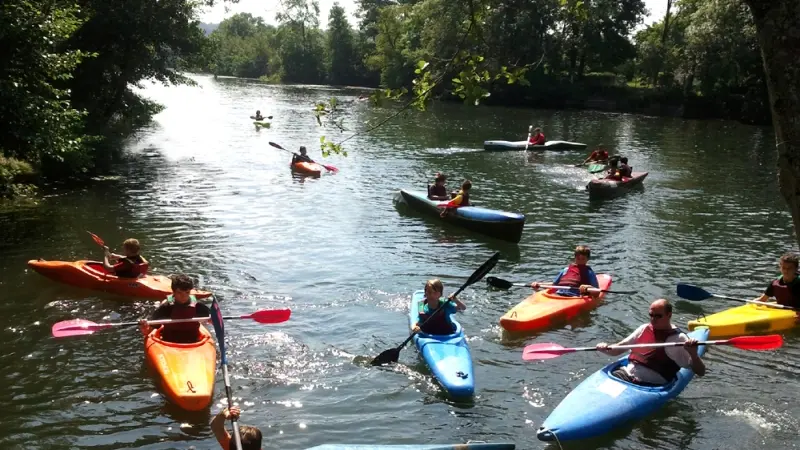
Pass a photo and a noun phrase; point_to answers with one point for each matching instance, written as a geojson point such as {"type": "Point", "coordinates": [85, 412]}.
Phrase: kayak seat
{"type": "Point", "coordinates": [624, 362]}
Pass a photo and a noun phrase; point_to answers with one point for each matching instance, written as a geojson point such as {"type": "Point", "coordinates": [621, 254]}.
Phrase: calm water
{"type": "Point", "coordinates": [207, 196]}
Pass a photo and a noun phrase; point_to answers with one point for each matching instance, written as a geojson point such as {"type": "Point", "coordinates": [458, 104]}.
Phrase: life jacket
{"type": "Point", "coordinates": [464, 198]}
{"type": "Point", "coordinates": [655, 359]}
{"type": "Point", "coordinates": [599, 155]}
{"type": "Point", "coordinates": [538, 139]}
{"type": "Point", "coordinates": [136, 267]}
{"type": "Point", "coordinates": [185, 332]}
{"type": "Point", "coordinates": [783, 292]}
{"type": "Point", "coordinates": [438, 324]}
{"type": "Point", "coordinates": [437, 191]}
{"type": "Point", "coordinates": [575, 276]}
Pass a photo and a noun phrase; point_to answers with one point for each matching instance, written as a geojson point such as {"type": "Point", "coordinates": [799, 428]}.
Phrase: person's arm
{"type": "Point", "coordinates": [687, 356]}
{"type": "Point", "coordinates": [592, 283]}
{"type": "Point", "coordinates": [603, 347]}
{"type": "Point", "coordinates": [766, 295]}
{"type": "Point", "coordinates": [202, 310]}
{"type": "Point", "coordinates": [164, 311]}
{"type": "Point", "coordinates": [218, 426]}
{"type": "Point", "coordinates": [459, 305]}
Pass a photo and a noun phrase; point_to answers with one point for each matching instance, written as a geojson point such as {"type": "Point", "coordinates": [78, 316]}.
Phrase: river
{"type": "Point", "coordinates": [206, 195]}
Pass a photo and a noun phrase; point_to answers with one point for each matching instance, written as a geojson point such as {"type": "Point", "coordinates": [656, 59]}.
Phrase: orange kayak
{"type": "Point", "coordinates": [308, 168]}
{"type": "Point", "coordinates": [545, 308]}
{"type": "Point", "coordinates": [92, 275]}
{"type": "Point", "coordinates": [185, 371]}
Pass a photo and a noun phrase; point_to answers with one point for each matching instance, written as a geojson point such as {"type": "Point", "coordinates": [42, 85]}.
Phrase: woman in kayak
{"type": "Point", "coordinates": [537, 138]}
{"type": "Point", "coordinates": [459, 199]}
{"type": "Point", "coordinates": [180, 305]}
{"type": "Point", "coordinates": [250, 436]}
{"type": "Point", "coordinates": [656, 366]}
{"type": "Point", "coordinates": [598, 155]}
{"type": "Point", "coordinates": [578, 274]}
{"type": "Point", "coordinates": [438, 323]}
{"type": "Point", "coordinates": [786, 288]}
{"type": "Point", "coordinates": [438, 191]}
{"type": "Point", "coordinates": [129, 265]}
{"type": "Point", "coordinates": [624, 169]}
{"type": "Point", "coordinates": [302, 157]}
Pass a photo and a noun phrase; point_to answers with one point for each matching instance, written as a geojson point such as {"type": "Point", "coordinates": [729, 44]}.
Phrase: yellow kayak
{"type": "Point", "coordinates": [747, 319]}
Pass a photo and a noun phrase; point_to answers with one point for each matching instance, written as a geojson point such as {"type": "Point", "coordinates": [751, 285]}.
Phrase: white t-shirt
{"type": "Point", "coordinates": [648, 375]}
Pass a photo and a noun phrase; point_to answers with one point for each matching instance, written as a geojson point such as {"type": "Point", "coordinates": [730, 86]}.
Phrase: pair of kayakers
{"type": "Point", "coordinates": [438, 191]}
{"type": "Point", "coordinates": [129, 265]}
{"type": "Point", "coordinates": [537, 137]}
{"type": "Point", "coordinates": [619, 169]}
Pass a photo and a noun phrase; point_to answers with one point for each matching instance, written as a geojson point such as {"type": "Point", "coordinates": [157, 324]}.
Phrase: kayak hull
{"type": "Point", "coordinates": [504, 146]}
{"type": "Point", "coordinates": [185, 371]}
{"type": "Point", "coordinates": [603, 402]}
{"type": "Point", "coordinates": [545, 309]}
{"type": "Point", "coordinates": [476, 446]}
{"type": "Point", "coordinates": [597, 167]}
{"type": "Point", "coordinates": [746, 319]}
{"type": "Point", "coordinates": [307, 168]}
{"type": "Point", "coordinates": [603, 188]}
{"type": "Point", "coordinates": [499, 224]}
{"type": "Point", "coordinates": [92, 275]}
{"type": "Point", "coordinates": [448, 356]}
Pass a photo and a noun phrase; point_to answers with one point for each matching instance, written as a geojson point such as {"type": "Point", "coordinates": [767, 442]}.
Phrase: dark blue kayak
{"type": "Point", "coordinates": [481, 446]}
{"type": "Point", "coordinates": [504, 146]}
{"type": "Point", "coordinates": [491, 222]}
{"type": "Point", "coordinates": [603, 402]}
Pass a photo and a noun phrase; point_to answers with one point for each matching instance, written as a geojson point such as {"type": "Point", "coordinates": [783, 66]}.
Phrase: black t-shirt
{"type": "Point", "coordinates": [794, 288]}
{"type": "Point", "coordinates": [437, 191]}
{"type": "Point", "coordinates": [164, 311]}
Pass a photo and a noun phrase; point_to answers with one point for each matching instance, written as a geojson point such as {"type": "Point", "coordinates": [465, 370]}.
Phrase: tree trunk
{"type": "Point", "coordinates": [663, 49]}
{"type": "Point", "coordinates": [778, 27]}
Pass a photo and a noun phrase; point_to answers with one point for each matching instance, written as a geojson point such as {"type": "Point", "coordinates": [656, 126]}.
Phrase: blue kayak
{"type": "Point", "coordinates": [491, 222]}
{"type": "Point", "coordinates": [482, 446]}
{"type": "Point", "coordinates": [447, 355]}
{"type": "Point", "coordinates": [603, 402]}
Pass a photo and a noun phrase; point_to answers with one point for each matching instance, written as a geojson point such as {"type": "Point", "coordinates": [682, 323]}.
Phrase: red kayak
{"type": "Point", "coordinates": [606, 188]}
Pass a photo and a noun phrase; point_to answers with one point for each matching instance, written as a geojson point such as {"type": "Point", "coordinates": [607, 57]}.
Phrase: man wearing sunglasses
{"type": "Point", "coordinates": [656, 366]}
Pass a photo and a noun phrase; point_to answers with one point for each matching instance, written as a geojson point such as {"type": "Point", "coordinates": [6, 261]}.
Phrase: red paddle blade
{"type": "Point", "coordinates": [269, 315]}
{"type": "Point", "coordinates": [76, 327]}
{"type": "Point", "coordinates": [769, 342]}
{"type": "Point", "coordinates": [330, 168]}
{"type": "Point", "coordinates": [544, 351]}
{"type": "Point", "coordinates": [97, 239]}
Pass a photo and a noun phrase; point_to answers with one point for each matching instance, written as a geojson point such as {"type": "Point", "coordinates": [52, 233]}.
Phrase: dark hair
{"type": "Point", "coordinates": [790, 258]}
{"type": "Point", "coordinates": [466, 185]}
{"type": "Point", "coordinates": [624, 160]}
{"type": "Point", "coordinates": [440, 177]}
{"type": "Point", "coordinates": [182, 282]}
{"type": "Point", "coordinates": [251, 438]}
{"type": "Point", "coordinates": [302, 148]}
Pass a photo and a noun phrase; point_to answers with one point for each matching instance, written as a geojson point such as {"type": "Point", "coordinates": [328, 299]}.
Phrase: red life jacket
{"type": "Point", "coordinates": [783, 292]}
{"type": "Point", "coordinates": [186, 332]}
{"type": "Point", "coordinates": [538, 139]}
{"type": "Point", "coordinates": [438, 324]}
{"type": "Point", "coordinates": [132, 267]}
{"type": "Point", "coordinates": [598, 155]}
{"type": "Point", "coordinates": [575, 276]}
{"type": "Point", "coordinates": [655, 359]}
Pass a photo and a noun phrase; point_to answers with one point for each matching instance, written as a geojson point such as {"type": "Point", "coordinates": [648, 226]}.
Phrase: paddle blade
{"type": "Point", "coordinates": [388, 356]}
{"type": "Point", "coordinates": [77, 327]}
{"type": "Point", "coordinates": [270, 315]}
{"type": "Point", "coordinates": [97, 239]}
{"type": "Point", "coordinates": [694, 293]}
{"type": "Point", "coordinates": [499, 283]}
{"type": "Point", "coordinates": [483, 270]}
{"type": "Point", "coordinates": [540, 352]}
{"type": "Point", "coordinates": [769, 342]}
{"type": "Point", "coordinates": [330, 168]}
{"type": "Point", "coordinates": [276, 145]}
{"type": "Point", "coordinates": [219, 329]}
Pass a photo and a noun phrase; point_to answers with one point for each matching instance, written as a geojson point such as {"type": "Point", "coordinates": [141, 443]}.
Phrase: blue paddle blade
{"type": "Point", "coordinates": [694, 293]}
{"type": "Point", "coordinates": [219, 329]}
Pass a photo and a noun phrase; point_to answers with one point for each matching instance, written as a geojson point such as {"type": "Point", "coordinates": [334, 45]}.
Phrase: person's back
{"type": "Point", "coordinates": [129, 265]}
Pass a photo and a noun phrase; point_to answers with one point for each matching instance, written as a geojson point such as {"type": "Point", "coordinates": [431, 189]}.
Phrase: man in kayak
{"type": "Point", "coordinates": [578, 274]}
{"type": "Point", "coordinates": [439, 323]}
{"type": "Point", "coordinates": [598, 155]}
{"type": "Point", "coordinates": [258, 116]}
{"type": "Point", "coordinates": [302, 157]}
{"type": "Point", "coordinates": [786, 288]}
{"type": "Point", "coordinates": [129, 265]}
{"type": "Point", "coordinates": [250, 436]}
{"type": "Point", "coordinates": [657, 366]}
{"type": "Point", "coordinates": [180, 305]}
{"type": "Point", "coordinates": [625, 171]}
{"type": "Point", "coordinates": [537, 138]}
{"type": "Point", "coordinates": [438, 191]}
{"type": "Point", "coordinates": [459, 199]}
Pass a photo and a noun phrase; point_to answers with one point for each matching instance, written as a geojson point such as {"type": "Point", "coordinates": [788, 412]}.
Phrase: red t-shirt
{"type": "Point", "coordinates": [538, 139]}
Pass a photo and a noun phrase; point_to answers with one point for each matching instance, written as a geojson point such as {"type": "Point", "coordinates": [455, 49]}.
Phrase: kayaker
{"type": "Point", "coordinates": [258, 115]}
{"type": "Point", "coordinates": [537, 138]}
{"type": "Point", "coordinates": [302, 157]}
{"type": "Point", "coordinates": [599, 154]}
{"type": "Point", "coordinates": [461, 198]}
{"type": "Point", "coordinates": [180, 305]}
{"type": "Point", "coordinates": [438, 191]}
{"type": "Point", "coordinates": [578, 274]}
{"type": "Point", "coordinates": [613, 172]}
{"type": "Point", "coordinates": [250, 436]}
{"type": "Point", "coordinates": [129, 265]}
{"type": "Point", "coordinates": [786, 288]}
{"type": "Point", "coordinates": [440, 322]}
{"type": "Point", "coordinates": [624, 169]}
{"type": "Point", "coordinates": [657, 366]}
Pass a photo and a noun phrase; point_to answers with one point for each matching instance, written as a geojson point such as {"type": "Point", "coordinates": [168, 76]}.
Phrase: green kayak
{"type": "Point", "coordinates": [596, 168]}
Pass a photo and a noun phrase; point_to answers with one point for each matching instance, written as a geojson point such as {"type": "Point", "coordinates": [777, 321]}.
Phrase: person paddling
{"type": "Point", "coordinates": [786, 288]}
{"type": "Point", "coordinates": [440, 323]}
{"type": "Point", "coordinates": [578, 274]}
{"type": "Point", "coordinates": [129, 265]}
{"type": "Point", "coordinates": [250, 436]}
{"type": "Point", "coordinates": [656, 366]}
{"type": "Point", "coordinates": [598, 155]}
{"type": "Point", "coordinates": [180, 305]}
{"type": "Point", "coordinates": [302, 157]}
{"type": "Point", "coordinates": [438, 191]}
{"type": "Point", "coordinates": [537, 138]}
{"type": "Point", "coordinates": [258, 115]}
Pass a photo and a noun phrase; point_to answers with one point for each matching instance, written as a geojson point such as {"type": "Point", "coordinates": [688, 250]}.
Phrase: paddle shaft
{"type": "Point", "coordinates": [228, 393]}
{"type": "Point", "coordinates": [755, 302]}
{"type": "Point", "coordinates": [548, 286]}
{"type": "Point", "coordinates": [654, 345]}
{"type": "Point", "coordinates": [528, 141]}
{"type": "Point", "coordinates": [411, 336]}
{"type": "Point", "coordinates": [158, 322]}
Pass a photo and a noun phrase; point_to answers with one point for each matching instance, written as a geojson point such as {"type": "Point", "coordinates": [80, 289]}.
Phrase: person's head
{"type": "Point", "coordinates": [537, 130]}
{"type": "Point", "coordinates": [131, 247]}
{"type": "Point", "coordinates": [181, 287]}
{"type": "Point", "coordinates": [251, 438]}
{"type": "Point", "coordinates": [434, 289]}
{"type": "Point", "coordinates": [624, 160]}
{"type": "Point", "coordinates": [582, 255]}
{"type": "Point", "coordinates": [466, 185]}
{"type": "Point", "coordinates": [661, 314]}
{"type": "Point", "coordinates": [303, 150]}
{"type": "Point", "coordinates": [258, 112]}
{"type": "Point", "coordinates": [440, 179]}
{"type": "Point", "coordinates": [788, 264]}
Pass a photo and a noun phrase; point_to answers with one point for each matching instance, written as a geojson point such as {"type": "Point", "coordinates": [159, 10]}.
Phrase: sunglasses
{"type": "Point", "coordinates": [656, 316]}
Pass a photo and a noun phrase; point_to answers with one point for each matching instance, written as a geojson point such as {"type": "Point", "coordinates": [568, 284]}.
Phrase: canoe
{"type": "Point", "coordinates": [545, 308]}
{"type": "Point", "coordinates": [603, 402]}
{"type": "Point", "coordinates": [499, 224]}
{"type": "Point", "coordinates": [307, 168]}
{"type": "Point", "coordinates": [603, 188]}
{"type": "Point", "coordinates": [448, 355]}
{"type": "Point", "coordinates": [597, 167]}
{"type": "Point", "coordinates": [468, 446]}
{"type": "Point", "coordinates": [747, 319]}
{"type": "Point", "coordinates": [92, 275]}
{"type": "Point", "coordinates": [501, 146]}
{"type": "Point", "coordinates": [185, 371]}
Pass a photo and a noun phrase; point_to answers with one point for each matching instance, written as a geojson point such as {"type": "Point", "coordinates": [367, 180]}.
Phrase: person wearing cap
{"type": "Point", "coordinates": [438, 191]}
{"type": "Point", "coordinates": [537, 138]}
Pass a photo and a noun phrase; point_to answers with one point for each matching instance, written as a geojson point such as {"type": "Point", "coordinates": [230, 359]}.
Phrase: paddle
{"type": "Point", "coordinates": [695, 293]}
{"type": "Point", "coordinates": [97, 239]}
{"type": "Point", "coordinates": [81, 327]}
{"type": "Point", "coordinates": [528, 141]}
{"type": "Point", "coordinates": [327, 167]}
{"type": "Point", "coordinates": [393, 354]}
{"type": "Point", "coordinates": [550, 351]}
{"type": "Point", "coordinates": [505, 284]}
{"type": "Point", "coordinates": [219, 330]}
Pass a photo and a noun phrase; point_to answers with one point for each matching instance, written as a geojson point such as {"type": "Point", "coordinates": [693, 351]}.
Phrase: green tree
{"type": "Point", "coordinates": [300, 42]}
{"type": "Point", "coordinates": [342, 58]}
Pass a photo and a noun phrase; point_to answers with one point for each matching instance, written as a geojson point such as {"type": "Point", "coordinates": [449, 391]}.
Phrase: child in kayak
{"type": "Point", "coordinates": [578, 274]}
{"type": "Point", "coordinates": [438, 191]}
{"type": "Point", "coordinates": [302, 157]}
{"type": "Point", "coordinates": [624, 169]}
{"type": "Point", "coordinates": [180, 305]}
{"type": "Point", "coordinates": [129, 265]}
{"type": "Point", "coordinates": [440, 322]}
{"type": "Point", "coordinates": [537, 138]}
{"type": "Point", "coordinates": [786, 288]}
{"type": "Point", "coordinates": [250, 436]}
{"type": "Point", "coordinates": [459, 199]}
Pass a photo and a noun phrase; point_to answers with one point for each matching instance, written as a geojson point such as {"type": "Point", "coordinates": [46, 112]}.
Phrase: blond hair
{"type": "Point", "coordinates": [132, 245]}
{"type": "Point", "coordinates": [436, 285]}
{"type": "Point", "coordinates": [583, 250]}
